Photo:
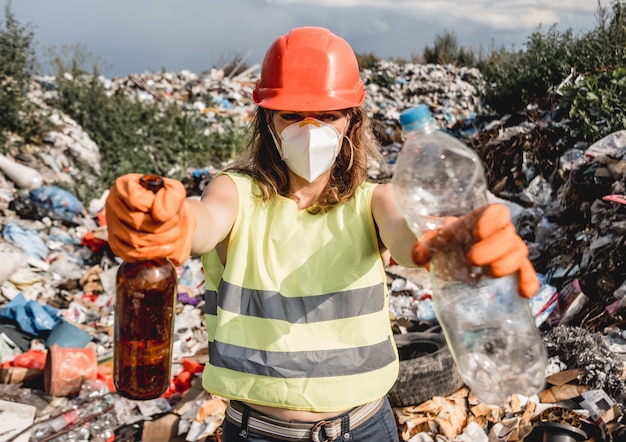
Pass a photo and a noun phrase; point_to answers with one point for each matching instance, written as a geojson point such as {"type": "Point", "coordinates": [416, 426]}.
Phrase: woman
{"type": "Point", "coordinates": [292, 238]}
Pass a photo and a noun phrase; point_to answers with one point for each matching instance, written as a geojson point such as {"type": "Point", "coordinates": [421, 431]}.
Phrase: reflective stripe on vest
{"type": "Point", "coordinates": [293, 364]}
{"type": "Point", "coordinates": [306, 309]}
{"type": "Point", "coordinates": [210, 303]}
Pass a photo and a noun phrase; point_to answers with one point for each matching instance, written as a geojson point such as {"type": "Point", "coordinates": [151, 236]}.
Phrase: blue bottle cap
{"type": "Point", "coordinates": [415, 117]}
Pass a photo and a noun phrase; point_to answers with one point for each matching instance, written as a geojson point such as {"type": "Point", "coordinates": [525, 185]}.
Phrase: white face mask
{"type": "Point", "coordinates": [308, 147]}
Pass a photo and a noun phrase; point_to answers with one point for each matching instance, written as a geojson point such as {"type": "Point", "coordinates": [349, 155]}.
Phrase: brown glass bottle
{"type": "Point", "coordinates": [144, 322]}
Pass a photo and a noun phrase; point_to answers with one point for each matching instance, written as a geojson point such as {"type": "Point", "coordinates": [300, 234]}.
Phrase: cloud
{"type": "Point", "coordinates": [150, 35]}
{"type": "Point", "coordinates": [503, 15]}
{"type": "Point", "coordinates": [381, 26]}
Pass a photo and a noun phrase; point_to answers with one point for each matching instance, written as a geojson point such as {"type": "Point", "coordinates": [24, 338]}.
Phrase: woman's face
{"type": "Point", "coordinates": [337, 118]}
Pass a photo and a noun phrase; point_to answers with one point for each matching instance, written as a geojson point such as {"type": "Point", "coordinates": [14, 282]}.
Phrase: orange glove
{"type": "Point", "coordinates": [496, 245]}
{"type": "Point", "coordinates": [144, 225]}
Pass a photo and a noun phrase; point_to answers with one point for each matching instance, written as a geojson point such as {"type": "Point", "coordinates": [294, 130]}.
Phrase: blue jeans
{"type": "Point", "coordinates": [379, 428]}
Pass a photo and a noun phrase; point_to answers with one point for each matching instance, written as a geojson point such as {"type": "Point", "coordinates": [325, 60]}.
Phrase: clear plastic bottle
{"type": "Point", "coordinates": [489, 327]}
{"type": "Point", "coordinates": [144, 322]}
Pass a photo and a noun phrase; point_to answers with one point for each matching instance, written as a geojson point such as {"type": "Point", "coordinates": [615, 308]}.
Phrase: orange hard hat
{"type": "Point", "coordinates": [309, 69]}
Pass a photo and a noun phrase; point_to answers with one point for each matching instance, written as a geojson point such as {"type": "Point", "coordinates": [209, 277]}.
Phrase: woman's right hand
{"type": "Point", "coordinates": [145, 225]}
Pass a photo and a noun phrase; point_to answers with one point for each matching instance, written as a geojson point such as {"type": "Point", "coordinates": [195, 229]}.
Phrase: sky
{"type": "Point", "coordinates": [136, 36]}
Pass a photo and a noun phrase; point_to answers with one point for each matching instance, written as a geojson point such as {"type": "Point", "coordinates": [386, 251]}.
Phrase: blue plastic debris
{"type": "Point", "coordinates": [30, 316]}
{"type": "Point", "coordinates": [59, 201]}
{"type": "Point", "coordinates": [26, 239]}
{"type": "Point", "coordinates": [67, 335]}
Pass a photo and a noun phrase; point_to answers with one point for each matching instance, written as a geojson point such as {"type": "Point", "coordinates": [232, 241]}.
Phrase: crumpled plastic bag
{"type": "Point", "coordinates": [32, 358]}
{"type": "Point", "coordinates": [8, 349]}
{"type": "Point", "coordinates": [611, 146]}
{"type": "Point", "coordinates": [30, 316]}
{"type": "Point", "coordinates": [26, 239]}
{"type": "Point", "coordinates": [26, 208]}
{"type": "Point", "coordinates": [59, 201]}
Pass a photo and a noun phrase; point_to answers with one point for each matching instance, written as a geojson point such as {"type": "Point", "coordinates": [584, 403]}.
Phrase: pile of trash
{"type": "Point", "coordinates": [57, 281]}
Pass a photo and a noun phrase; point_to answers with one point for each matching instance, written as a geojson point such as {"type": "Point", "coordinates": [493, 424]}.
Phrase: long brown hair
{"type": "Point", "coordinates": [263, 163]}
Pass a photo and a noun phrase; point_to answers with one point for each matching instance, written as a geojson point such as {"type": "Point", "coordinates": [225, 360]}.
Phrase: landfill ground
{"type": "Point", "coordinates": [57, 278]}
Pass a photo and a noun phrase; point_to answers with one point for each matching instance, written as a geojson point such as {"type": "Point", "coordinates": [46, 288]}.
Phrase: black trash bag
{"type": "Point", "coordinates": [28, 209]}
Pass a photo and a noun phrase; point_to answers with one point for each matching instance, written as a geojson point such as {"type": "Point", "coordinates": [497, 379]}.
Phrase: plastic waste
{"type": "Point", "coordinates": [611, 146]}
{"type": "Point", "coordinates": [144, 322]}
{"type": "Point", "coordinates": [489, 328]}
{"type": "Point", "coordinates": [66, 335]}
{"type": "Point", "coordinates": [31, 317]}
{"type": "Point", "coordinates": [68, 368]}
{"type": "Point", "coordinates": [26, 239]}
{"type": "Point", "coordinates": [90, 416]}
{"type": "Point", "coordinates": [25, 177]}
{"type": "Point", "coordinates": [61, 202]}
{"type": "Point", "coordinates": [26, 208]}
{"type": "Point", "coordinates": [12, 261]}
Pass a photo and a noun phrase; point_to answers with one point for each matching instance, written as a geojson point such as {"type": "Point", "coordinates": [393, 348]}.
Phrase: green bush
{"type": "Point", "coordinates": [367, 60]}
{"type": "Point", "coordinates": [596, 104]}
{"type": "Point", "coordinates": [517, 78]}
{"type": "Point", "coordinates": [17, 59]}
{"type": "Point", "coordinates": [595, 101]}
{"type": "Point", "coordinates": [605, 46]}
{"type": "Point", "coordinates": [446, 50]}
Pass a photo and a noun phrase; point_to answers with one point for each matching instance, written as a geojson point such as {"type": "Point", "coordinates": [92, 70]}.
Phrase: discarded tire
{"type": "Point", "coordinates": [426, 369]}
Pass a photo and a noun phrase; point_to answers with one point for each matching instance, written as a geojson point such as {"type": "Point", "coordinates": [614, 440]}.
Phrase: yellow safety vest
{"type": "Point", "coordinates": [299, 316]}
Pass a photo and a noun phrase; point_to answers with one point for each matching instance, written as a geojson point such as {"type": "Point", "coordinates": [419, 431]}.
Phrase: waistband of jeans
{"type": "Point", "coordinates": [295, 431]}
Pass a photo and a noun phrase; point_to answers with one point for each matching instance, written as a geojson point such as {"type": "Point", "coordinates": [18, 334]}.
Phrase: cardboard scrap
{"type": "Point", "coordinates": [562, 393]}
{"type": "Point", "coordinates": [525, 426]}
{"type": "Point", "coordinates": [19, 375]}
{"type": "Point", "coordinates": [449, 414]}
{"type": "Point", "coordinates": [565, 376]}
{"type": "Point", "coordinates": [484, 413]}
{"type": "Point", "coordinates": [163, 429]}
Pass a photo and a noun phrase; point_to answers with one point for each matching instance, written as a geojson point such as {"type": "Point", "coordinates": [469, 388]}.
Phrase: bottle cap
{"type": "Point", "coordinates": [415, 117]}
{"type": "Point", "coordinates": [152, 182]}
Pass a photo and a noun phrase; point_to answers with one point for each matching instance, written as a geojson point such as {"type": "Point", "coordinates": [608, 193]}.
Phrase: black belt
{"type": "Point", "coordinates": [295, 431]}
